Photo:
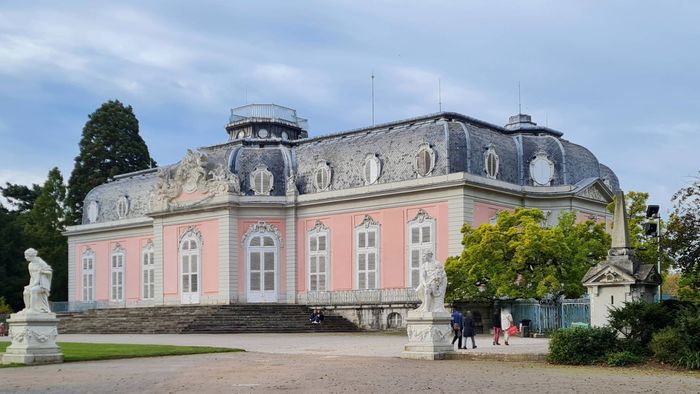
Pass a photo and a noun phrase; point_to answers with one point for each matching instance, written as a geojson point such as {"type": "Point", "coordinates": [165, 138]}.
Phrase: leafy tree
{"type": "Point", "coordinates": [682, 239]}
{"type": "Point", "coordinates": [43, 226]}
{"type": "Point", "coordinates": [21, 197]}
{"type": "Point", "coordinates": [4, 307]}
{"type": "Point", "coordinates": [110, 145]}
{"type": "Point", "coordinates": [517, 257]}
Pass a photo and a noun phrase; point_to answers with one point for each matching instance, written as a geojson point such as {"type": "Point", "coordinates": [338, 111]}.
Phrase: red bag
{"type": "Point", "coordinates": [513, 330]}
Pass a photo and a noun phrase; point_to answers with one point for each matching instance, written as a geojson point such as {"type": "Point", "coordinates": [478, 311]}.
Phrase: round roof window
{"type": "Point", "coordinates": [263, 133]}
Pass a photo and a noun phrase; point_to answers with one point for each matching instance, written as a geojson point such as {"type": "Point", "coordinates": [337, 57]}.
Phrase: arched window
{"type": "Point", "coordinates": [262, 243]}
{"type": "Point", "coordinates": [322, 176]}
{"type": "Point", "coordinates": [93, 211]}
{"type": "Point", "coordinates": [372, 169]}
{"type": "Point", "coordinates": [367, 254]}
{"type": "Point", "coordinates": [318, 260]}
{"type": "Point", "coordinates": [491, 162]}
{"type": "Point", "coordinates": [424, 162]}
{"type": "Point", "coordinates": [261, 180]}
{"type": "Point", "coordinates": [117, 273]}
{"type": "Point", "coordinates": [421, 240]}
{"type": "Point", "coordinates": [88, 268]}
{"type": "Point", "coordinates": [190, 265]}
{"type": "Point", "coordinates": [148, 272]}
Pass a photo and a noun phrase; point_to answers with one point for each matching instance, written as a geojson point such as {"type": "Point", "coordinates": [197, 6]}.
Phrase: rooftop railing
{"type": "Point", "coordinates": [268, 112]}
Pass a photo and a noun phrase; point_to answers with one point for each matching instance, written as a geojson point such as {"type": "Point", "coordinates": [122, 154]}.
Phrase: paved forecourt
{"type": "Point", "coordinates": [372, 344]}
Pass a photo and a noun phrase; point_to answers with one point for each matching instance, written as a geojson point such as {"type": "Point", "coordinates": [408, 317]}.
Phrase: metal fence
{"type": "Point", "coordinates": [549, 315]}
{"type": "Point", "coordinates": [76, 306]}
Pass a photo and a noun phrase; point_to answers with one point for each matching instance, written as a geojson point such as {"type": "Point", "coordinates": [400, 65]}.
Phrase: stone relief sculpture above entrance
{"type": "Point", "coordinates": [190, 177]}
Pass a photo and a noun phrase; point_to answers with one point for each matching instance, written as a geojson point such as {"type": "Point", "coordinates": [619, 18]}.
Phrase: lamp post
{"type": "Point", "coordinates": [655, 229]}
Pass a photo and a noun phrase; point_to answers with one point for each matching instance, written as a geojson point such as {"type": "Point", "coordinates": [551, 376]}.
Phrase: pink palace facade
{"type": "Point", "coordinates": [273, 216]}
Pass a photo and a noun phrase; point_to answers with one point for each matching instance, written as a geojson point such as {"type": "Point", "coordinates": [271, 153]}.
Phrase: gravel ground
{"type": "Point", "coordinates": [253, 372]}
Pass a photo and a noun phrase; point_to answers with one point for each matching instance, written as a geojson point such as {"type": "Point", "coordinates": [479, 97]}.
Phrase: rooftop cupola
{"type": "Point", "coordinates": [267, 122]}
{"type": "Point", "coordinates": [522, 123]}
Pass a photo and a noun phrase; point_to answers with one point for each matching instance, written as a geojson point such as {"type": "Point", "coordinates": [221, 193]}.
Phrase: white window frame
{"type": "Point", "coordinates": [191, 234]}
{"type": "Point", "coordinates": [87, 262]}
{"type": "Point", "coordinates": [421, 221]}
{"type": "Point", "coordinates": [424, 148]}
{"type": "Point", "coordinates": [318, 231]}
{"type": "Point", "coordinates": [117, 276]}
{"type": "Point", "coordinates": [367, 226]}
{"type": "Point", "coordinates": [261, 171]}
{"type": "Point", "coordinates": [148, 272]}
{"type": "Point", "coordinates": [263, 229]}
{"type": "Point", "coordinates": [366, 173]}
{"type": "Point", "coordinates": [491, 153]}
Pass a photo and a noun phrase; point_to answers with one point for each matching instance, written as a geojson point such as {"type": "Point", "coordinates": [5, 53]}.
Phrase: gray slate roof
{"type": "Point", "coordinates": [459, 143]}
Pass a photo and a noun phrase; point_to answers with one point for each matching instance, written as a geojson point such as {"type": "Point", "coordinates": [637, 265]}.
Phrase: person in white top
{"type": "Point", "coordinates": [506, 323]}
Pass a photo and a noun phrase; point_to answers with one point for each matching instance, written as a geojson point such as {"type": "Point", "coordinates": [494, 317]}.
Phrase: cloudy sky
{"type": "Point", "coordinates": [620, 78]}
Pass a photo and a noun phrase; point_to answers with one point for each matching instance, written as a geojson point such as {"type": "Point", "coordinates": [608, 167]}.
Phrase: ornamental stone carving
{"type": "Point", "coordinates": [36, 293]}
{"type": "Point", "coordinates": [39, 334]}
{"type": "Point", "coordinates": [191, 176]}
{"type": "Point", "coordinates": [262, 227]}
{"type": "Point", "coordinates": [367, 222]}
{"type": "Point", "coordinates": [292, 189]}
{"type": "Point", "coordinates": [593, 193]}
{"type": "Point", "coordinates": [318, 227]}
{"type": "Point", "coordinates": [421, 216]}
{"type": "Point", "coordinates": [429, 333]}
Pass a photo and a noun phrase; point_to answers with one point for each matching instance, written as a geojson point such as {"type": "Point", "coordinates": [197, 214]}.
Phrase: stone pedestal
{"type": "Point", "coordinates": [33, 339]}
{"type": "Point", "coordinates": [429, 335]}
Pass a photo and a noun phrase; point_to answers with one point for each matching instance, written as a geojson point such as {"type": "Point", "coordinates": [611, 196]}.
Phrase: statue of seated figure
{"type": "Point", "coordinates": [36, 293]}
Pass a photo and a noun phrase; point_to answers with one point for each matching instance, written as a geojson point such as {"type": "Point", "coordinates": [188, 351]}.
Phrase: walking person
{"type": "Point", "coordinates": [507, 323]}
{"type": "Point", "coordinates": [496, 322]}
{"type": "Point", "coordinates": [468, 329]}
{"type": "Point", "coordinates": [457, 327]}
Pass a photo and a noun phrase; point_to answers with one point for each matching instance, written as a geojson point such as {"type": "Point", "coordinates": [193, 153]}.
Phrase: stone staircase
{"type": "Point", "coordinates": [200, 319]}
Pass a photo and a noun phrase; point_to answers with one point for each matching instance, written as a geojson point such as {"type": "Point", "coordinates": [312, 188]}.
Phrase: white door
{"type": "Point", "coordinates": [189, 271]}
{"type": "Point", "coordinates": [262, 269]}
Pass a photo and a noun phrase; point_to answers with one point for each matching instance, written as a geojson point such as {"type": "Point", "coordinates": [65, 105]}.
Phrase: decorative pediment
{"type": "Point", "coordinates": [118, 249]}
{"type": "Point", "coordinates": [191, 231]}
{"type": "Point", "coordinates": [148, 245]}
{"type": "Point", "coordinates": [318, 227]}
{"type": "Point", "coordinates": [595, 192]}
{"type": "Point", "coordinates": [421, 216]}
{"type": "Point", "coordinates": [262, 227]}
{"type": "Point", "coordinates": [367, 222]}
{"type": "Point", "coordinates": [609, 274]}
{"type": "Point", "coordinates": [191, 176]}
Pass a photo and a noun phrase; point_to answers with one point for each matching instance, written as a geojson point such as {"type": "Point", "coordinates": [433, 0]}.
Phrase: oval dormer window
{"type": "Point", "coordinates": [322, 176]}
{"type": "Point", "coordinates": [93, 211]}
{"type": "Point", "coordinates": [263, 133]}
{"type": "Point", "coordinates": [425, 160]}
{"type": "Point", "coordinates": [284, 135]}
{"type": "Point", "coordinates": [241, 134]}
{"type": "Point", "coordinates": [122, 207]}
{"type": "Point", "coordinates": [541, 170]}
{"type": "Point", "coordinates": [372, 169]}
{"type": "Point", "coordinates": [261, 181]}
{"type": "Point", "coordinates": [491, 162]}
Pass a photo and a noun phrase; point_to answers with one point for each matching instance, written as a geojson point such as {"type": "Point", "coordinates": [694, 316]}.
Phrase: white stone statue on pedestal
{"type": "Point", "coordinates": [33, 330]}
{"type": "Point", "coordinates": [36, 293]}
{"type": "Point", "coordinates": [428, 326]}
{"type": "Point", "coordinates": [432, 287]}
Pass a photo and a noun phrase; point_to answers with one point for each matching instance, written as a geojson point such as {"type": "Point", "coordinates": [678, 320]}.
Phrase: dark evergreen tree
{"type": "Point", "coordinates": [110, 145]}
{"type": "Point", "coordinates": [43, 226]}
{"type": "Point", "coordinates": [21, 197]}
{"type": "Point", "coordinates": [13, 268]}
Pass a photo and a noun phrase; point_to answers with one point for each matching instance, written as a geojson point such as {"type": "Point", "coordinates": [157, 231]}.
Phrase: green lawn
{"type": "Point", "coordinates": [73, 351]}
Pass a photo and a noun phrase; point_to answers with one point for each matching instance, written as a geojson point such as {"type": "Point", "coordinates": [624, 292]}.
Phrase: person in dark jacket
{"type": "Point", "coordinates": [468, 329]}
{"type": "Point", "coordinates": [496, 321]}
{"type": "Point", "coordinates": [456, 323]}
